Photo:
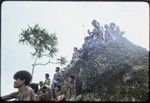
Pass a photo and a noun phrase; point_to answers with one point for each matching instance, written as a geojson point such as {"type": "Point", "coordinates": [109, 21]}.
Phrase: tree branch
{"type": "Point", "coordinates": [46, 63]}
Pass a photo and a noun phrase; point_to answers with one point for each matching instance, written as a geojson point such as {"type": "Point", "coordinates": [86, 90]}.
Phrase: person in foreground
{"type": "Point", "coordinates": [24, 93]}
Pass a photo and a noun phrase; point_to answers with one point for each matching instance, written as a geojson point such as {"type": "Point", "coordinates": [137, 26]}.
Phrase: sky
{"type": "Point", "coordinates": [70, 21]}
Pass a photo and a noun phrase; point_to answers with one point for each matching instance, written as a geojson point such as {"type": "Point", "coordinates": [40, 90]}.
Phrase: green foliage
{"type": "Point", "coordinates": [40, 40]}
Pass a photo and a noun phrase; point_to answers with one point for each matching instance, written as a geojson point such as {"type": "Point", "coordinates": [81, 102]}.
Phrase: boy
{"type": "Point", "coordinates": [22, 81]}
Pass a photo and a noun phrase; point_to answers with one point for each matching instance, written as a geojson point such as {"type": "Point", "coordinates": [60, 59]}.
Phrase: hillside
{"type": "Point", "coordinates": [112, 71]}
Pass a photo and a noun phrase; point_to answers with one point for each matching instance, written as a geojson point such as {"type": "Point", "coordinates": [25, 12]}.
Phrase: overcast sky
{"type": "Point", "coordinates": [70, 21]}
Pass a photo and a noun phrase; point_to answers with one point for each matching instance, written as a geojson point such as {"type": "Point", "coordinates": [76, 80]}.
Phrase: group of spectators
{"type": "Point", "coordinates": [42, 91]}
{"type": "Point", "coordinates": [99, 35]}
{"type": "Point", "coordinates": [53, 91]}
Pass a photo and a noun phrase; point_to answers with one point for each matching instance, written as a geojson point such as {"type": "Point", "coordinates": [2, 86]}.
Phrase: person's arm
{"type": "Point", "coordinates": [10, 96]}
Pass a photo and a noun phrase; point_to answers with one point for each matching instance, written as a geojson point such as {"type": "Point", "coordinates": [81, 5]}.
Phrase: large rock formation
{"type": "Point", "coordinates": [112, 71]}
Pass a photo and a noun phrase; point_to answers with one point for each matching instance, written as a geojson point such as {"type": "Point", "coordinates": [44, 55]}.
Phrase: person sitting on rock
{"type": "Point", "coordinates": [86, 42]}
{"type": "Point", "coordinates": [97, 31]}
{"type": "Point", "coordinates": [76, 56]}
{"type": "Point", "coordinates": [57, 77]}
{"type": "Point", "coordinates": [112, 30]}
{"type": "Point", "coordinates": [86, 47]}
{"type": "Point", "coordinates": [118, 32]}
{"type": "Point", "coordinates": [47, 80]}
{"type": "Point", "coordinates": [42, 86]}
{"type": "Point", "coordinates": [24, 93]}
{"type": "Point", "coordinates": [108, 35]}
{"type": "Point", "coordinates": [71, 86]}
{"type": "Point", "coordinates": [42, 91]}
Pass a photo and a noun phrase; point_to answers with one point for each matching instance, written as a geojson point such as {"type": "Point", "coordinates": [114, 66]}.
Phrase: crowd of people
{"type": "Point", "coordinates": [104, 33]}
{"type": "Point", "coordinates": [53, 91]}
{"type": "Point", "coordinates": [42, 91]}
{"type": "Point", "coordinates": [99, 35]}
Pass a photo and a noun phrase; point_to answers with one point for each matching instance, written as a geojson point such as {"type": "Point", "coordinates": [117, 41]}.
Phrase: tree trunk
{"type": "Point", "coordinates": [33, 65]}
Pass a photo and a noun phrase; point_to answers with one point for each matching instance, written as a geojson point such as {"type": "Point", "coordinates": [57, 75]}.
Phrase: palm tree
{"type": "Point", "coordinates": [44, 44]}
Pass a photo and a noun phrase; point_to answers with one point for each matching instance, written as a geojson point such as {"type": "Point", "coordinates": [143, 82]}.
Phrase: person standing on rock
{"type": "Point", "coordinates": [24, 93]}
{"type": "Point", "coordinates": [56, 81]}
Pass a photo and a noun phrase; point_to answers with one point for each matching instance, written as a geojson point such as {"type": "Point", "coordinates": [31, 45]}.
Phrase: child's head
{"type": "Point", "coordinates": [22, 78]}
{"type": "Point", "coordinates": [46, 75]}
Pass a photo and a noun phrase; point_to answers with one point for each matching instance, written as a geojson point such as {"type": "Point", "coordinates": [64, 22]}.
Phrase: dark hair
{"type": "Point", "coordinates": [72, 77]}
{"type": "Point", "coordinates": [58, 68]}
{"type": "Point", "coordinates": [47, 75]}
{"type": "Point", "coordinates": [94, 21]}
{"type": "Point", "coordinates": [23, 75]}
{"type": "Point", "coordinates": [34, 86]}
{"type": "Point", "coordinates": [41, 82]}
{"type": "Point", "coordinates": [75, 48]}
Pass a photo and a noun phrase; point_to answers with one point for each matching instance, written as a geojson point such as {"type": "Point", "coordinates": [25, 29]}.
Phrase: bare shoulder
{"type": "Point", "coordinates": [30, 90]}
